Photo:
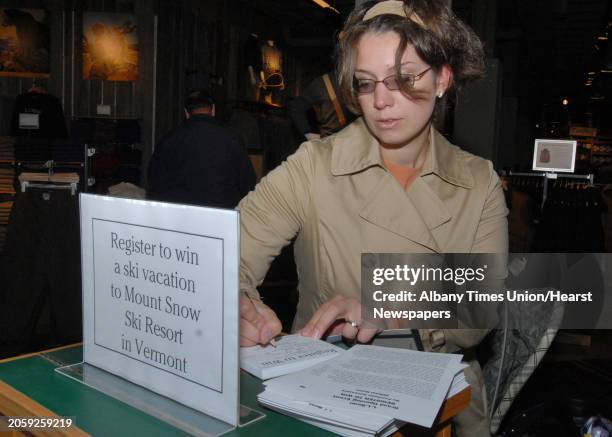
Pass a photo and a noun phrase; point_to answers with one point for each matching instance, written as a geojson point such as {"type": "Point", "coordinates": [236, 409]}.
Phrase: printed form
{"type": "Point", "coordinates": [406, 385]}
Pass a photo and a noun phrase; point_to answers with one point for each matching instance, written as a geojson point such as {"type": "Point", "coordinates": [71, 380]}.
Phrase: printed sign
{"type": "Point", "coordinates": [554, 155]}
{"type": "Point", "coordinates": [160, 298]}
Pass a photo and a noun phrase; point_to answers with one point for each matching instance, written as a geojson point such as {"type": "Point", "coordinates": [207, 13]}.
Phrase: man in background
{"type": "Point", "coordinates": [200, 162]}
{"type": "Point", "coordinates": [321, 96]}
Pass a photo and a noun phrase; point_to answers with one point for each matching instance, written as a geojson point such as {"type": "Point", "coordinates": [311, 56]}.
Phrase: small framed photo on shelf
{"type": "Point", "coordinates": [554, 155]}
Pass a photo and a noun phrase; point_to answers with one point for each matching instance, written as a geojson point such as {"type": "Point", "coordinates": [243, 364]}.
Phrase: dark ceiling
{"type": "Point", "coordinates": [558, 45]}
{"type": "Point", "coordinates": [547, 47]}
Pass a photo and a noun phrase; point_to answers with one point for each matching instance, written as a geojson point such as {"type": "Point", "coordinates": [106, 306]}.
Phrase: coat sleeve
{"type": "Point", "coordinates": [271, 215]}
{"type": "Point", "coordinates": [492, 232]}
{"type": "Point", "coordinates": [491, 238]}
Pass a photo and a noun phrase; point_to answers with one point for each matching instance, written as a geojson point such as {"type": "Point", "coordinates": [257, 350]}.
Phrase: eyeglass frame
{"type": "Point", "coordinates": [413, 79]}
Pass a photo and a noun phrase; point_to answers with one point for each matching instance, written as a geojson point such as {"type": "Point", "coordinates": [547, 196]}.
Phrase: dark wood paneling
{"type": "Point", "coordinates": [196, 41]}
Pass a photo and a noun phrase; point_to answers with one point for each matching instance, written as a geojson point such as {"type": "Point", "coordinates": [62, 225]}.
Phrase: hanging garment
{"type": "Point", "coordinates": [47, 110]}
{"type": "Point", "coordinates": [40, 298]}
{"type": "Point", "coordinates": [317, 96]}
{"type": "Point", "coordinates": [571, 220]}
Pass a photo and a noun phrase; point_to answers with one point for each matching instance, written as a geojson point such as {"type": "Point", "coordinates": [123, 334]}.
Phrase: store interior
{"type": "Point", "coordinates": [549, 76]}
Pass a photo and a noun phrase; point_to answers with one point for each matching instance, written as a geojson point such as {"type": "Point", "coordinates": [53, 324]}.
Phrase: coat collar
{"type": "Point", "coordinates": [422, 216]}
{"type": "Point", "coordinates": [416, 219]}
{"type": "Point", "coordinates": [354, 149]}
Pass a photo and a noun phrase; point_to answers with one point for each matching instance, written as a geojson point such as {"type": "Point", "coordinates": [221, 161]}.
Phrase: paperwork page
{"type": "Point", "coordinates": [406, 385]}
{"type": "Point", "coordinates": [292, 353]}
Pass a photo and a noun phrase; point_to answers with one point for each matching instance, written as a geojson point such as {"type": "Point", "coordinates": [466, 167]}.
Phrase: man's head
{"type": "Point", "coordinates": [199, 102]}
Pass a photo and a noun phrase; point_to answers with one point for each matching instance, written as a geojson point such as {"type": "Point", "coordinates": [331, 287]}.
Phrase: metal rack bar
{"type": "Point", "coordinates": [546, 175]}
{"type": "Point", "coordinates": [590, 177]}
{"type": "Point", "coordinates": [72, 186]}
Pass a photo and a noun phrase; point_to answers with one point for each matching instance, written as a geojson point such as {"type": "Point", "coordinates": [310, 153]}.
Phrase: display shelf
{"type": "Point", "coordinates": [596, 151]}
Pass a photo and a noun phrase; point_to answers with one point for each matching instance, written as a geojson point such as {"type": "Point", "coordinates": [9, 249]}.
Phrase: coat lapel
{"type": "Point", "coordinates": [414, 214]}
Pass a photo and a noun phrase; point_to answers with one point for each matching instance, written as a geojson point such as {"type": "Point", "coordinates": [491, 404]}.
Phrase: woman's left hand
{"type": "Point", "coordinates": [340, 309]}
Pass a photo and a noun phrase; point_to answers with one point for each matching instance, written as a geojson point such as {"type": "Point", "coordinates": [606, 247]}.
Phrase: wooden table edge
{"type": "Point", "coordinates": [454, 405]}
{"type": "Point", "coordinates": [33, 354]}
{"type": "Point", "coordinates": [15, 403]}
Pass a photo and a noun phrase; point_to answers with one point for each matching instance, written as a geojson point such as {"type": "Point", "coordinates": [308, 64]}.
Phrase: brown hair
{"type": "Point", "coordinates": [437, 34]}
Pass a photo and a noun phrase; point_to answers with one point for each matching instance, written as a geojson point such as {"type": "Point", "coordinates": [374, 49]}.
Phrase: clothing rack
{"type": "Point", "coordinates": [546, 175]}
{"type": "Point", "coordinates": [51, 166]}
{"type": "Point", "coordinates": [60, 181]}
{"type": "Point", "coordinates": [72, 186]}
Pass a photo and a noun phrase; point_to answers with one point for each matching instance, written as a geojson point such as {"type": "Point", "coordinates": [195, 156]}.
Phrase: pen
{"type": "Point", "coordinates": [272, 342]}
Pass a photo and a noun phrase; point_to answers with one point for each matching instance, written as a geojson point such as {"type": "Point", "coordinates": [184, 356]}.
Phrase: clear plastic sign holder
{"type": "Point", "coordinates": [178, 415]}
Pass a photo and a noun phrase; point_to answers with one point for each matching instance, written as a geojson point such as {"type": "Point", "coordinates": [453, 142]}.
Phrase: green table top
{"type": "Point", "coordinates": [102, 415]}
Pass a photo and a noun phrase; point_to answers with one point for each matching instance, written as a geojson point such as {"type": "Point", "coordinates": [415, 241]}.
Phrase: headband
{"type": "Point", "coordinates": [392, 7]}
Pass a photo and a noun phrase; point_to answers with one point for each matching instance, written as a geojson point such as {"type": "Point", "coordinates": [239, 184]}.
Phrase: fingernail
{"type": "Point", "coordinates": [316, 334]}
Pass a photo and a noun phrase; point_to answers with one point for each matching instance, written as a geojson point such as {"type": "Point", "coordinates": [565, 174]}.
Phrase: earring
{"type": "Point", "coordinates": [440, 94]}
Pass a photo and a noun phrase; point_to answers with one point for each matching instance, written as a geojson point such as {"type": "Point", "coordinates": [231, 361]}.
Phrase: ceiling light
{"type": "Point", "coordinates": [591, 73]}
{"type": "Point", "coordinates": [605, 71]}
{"type": "Point", "coordinates": [326, 5]}
{"type": "Point", "coordinates": [603, 38]}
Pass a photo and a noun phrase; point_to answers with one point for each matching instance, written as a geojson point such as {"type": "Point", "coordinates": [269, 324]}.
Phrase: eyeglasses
{"type": "Point", "coordinates": [393, 82]}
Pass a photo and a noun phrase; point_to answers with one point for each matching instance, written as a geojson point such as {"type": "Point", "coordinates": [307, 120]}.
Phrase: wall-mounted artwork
{"type": "Point", "coordinates": [110, 46]}
{"type": "Point", "coordinates": [24, 43]}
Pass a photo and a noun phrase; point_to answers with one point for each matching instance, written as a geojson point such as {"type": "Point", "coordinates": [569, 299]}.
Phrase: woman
{"type": "Point", "coordinates": [389, 182]}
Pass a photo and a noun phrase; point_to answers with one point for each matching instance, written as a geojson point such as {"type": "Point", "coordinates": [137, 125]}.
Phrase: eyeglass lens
{"type": "Point", "coordinates": [393, 83]}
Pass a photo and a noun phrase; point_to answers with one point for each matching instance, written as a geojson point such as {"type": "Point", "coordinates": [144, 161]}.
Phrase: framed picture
{"type": "Point", "coordinates": [110, 46]}
{"type": "Point", "coordinates": [24, 43]}
{"type": "Point", "coordinates": [554, 155]}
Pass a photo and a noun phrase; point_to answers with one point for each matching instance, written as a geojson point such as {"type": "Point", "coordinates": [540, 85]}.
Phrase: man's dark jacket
{"type": "Point", "coordinates": [315, 96]}
{"type": "Point", "coordinates": [200, 163]}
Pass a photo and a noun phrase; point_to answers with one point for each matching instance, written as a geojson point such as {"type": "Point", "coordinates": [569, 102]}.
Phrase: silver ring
{"type": "Point", "coordinates": [353, 323]}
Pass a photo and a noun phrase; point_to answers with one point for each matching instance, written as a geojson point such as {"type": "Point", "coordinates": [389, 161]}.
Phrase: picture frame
{"type": "Point", "coordinates": [25, 43]}
{"type": "Point", "coordinates": [110, 47]}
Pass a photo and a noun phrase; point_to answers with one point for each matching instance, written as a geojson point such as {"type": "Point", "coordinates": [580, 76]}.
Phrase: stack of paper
{"type": "Point", "coordinates": [368, 390]}
{"type": "Point", "coordinates": [290, 354]}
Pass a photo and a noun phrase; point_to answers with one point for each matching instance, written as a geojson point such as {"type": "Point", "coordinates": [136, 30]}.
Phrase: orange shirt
{"type": "Point", "coordinates": [404, 175]}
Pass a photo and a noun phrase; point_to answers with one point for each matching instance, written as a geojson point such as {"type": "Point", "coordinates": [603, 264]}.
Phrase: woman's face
{"type": "Point", "coordinates": [394, 118]}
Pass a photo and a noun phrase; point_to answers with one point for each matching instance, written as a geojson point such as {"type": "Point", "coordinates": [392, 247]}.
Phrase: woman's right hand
{"type": "Point", "coordinates": [258, 323]}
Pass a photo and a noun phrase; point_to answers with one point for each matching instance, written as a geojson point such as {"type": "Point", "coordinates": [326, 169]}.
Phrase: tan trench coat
{"type": "Point", "coordinates": [339, 199]}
